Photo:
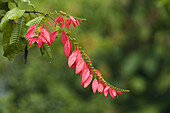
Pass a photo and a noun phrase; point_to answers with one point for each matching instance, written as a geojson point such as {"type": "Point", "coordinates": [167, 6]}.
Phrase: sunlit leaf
{"type": "Point", "coordinates": [34, 21]}
{"type": "Point", "coordinates": [29, 3]}
{"type": "Point", "coordinates": [11, 15]}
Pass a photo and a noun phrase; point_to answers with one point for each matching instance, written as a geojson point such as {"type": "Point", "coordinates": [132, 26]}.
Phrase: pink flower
{"type": "Point", "coordinates": [59, 20]}
{"type": "Point", "coordinates": [95, 85]}
{"type": "Point", "coordinates": [67, 23]}
{"type": "Point", "coordinates": [80, 66]}
{"type": "Point", "coordinates": [100, 88]}
{"type": "Point", "coordinates": [112, 93]}
{"type": "Point", "coordinates": [42, 38]}
{"type": "Point", "coordinates": [72, 58]}
{"type": "Point", "coordinates": [64, 37]}
{"type": "Point", "coordinates": [88, 81]}
{"type": "Point", "coordinates": [68, 48]}
{"type": "Point", "coordinates": [106, 89]}
{"type": "Point", "coordinates": [119, 92]}
{"type": "Point", "coordinates": [52, 37]}
{"type": "Point", "coordinates": [85, 75]}
{"type": "Point", "coordinates": [74, 21]}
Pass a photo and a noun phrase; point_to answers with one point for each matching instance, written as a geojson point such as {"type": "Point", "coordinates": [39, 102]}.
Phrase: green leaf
{"type": "Point", "coordinates": [42, 51]}
{"type": "Point", "coordinates": [2, 1]}
{"type": "Point", "coordinates": [2, 13]}
{"type": "Point", "coordinates": [29, 3]}
{"type": "Point", "coordinates": [34, 21]}
{"type": "Point", "coordinates": [16, 44]}
{"type": "Point", "coordinates": [17, 31]}
{"type": "Point", "coordinates": [48, 50]}
{"type": "Point", "coordinates": [14, 49]}
{"type": "Point", "coordinates": [11, 15]}
{"type": "Point", "coordinates": [58, 29]}
{"type": "Point", "coordinates": [26, 1]}
{"type": "Point", "coordinates": [6, 35]}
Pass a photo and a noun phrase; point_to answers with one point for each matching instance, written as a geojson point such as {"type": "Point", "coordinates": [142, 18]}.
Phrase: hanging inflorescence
{"type": "Point", "coordinates": [77, 58]}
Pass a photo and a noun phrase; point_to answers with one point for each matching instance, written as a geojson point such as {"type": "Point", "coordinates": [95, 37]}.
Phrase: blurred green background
{"type": "Point", "coordinates": [127, 40]}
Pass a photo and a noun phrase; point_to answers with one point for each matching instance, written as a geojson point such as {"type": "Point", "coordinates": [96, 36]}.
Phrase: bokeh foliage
{"type": "Point", "coordinates": [127, 40]}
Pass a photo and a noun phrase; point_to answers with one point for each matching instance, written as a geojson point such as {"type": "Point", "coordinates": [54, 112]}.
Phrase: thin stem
{"type": "Point", "coordinates": [45, 14]}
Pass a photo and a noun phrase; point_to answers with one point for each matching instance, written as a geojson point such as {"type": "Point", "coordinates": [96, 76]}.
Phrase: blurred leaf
{"type": "Point", "coordinates": [2, 13]}
{"type": "Point", "coordinates": [150, 66]}
{"type": "Point", "coordinates": [4, 6]}
{"type": "Point", "coordinates": [138, 84]}
{"type": "Point", "coordinates": [58, 29]}
{"type": "Point", "coordinates": [163, 83]}
{"type": "Point", "coordinates": [11, 5]}
{"type": "Point", "coordinates": [2, 1]}
{"type": "Point", "coordinates": [131, 64]}
{"type": "Point", "coordinates": [11, 15]}
{"type": "Point", "coordinates": [29, 3]}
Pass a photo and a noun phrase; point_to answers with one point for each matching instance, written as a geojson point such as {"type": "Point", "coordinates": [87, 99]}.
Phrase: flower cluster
{"type": "Point", "coordinates": [40, 35]}
{"type": "Point", "coordinates": [77, 58]}
{"type": "Point", "coordinates": [36, 33]}
{"type": "Point", "coordinates": [66, 22]}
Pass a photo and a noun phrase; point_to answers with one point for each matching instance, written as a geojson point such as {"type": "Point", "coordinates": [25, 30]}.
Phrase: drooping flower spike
{"type": "Point", "coordinates": [85, 69]}
{"type": "Point", "coordinates": [77, 58]}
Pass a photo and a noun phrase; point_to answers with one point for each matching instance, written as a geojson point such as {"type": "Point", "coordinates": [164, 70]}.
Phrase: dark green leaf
{"type": "Point", "coordinates": [11, 15]}
{"type": "Point", "coordinates": [15, 48]}
{"type": "Point", "coordinates": [6, 35]}
{"type": "Point", "coordinates": [48, 50]}
{"type": "Point", "coordinates": [17, 31]}
{"type": "Point", "coordinates": [4, 6]}
{"type": "Point", "coordinates": [42, 50]}
{"type": "Point", "coordinates": [2, 1]}
{"type": "Point", "coordinates": [16, 44]}
{"type": "Point", "coordinates": [2, 13]}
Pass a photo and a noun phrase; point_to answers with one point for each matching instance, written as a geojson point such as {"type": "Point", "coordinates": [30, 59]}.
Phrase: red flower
{"type": "Point", "coordinates": [42, 38]}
